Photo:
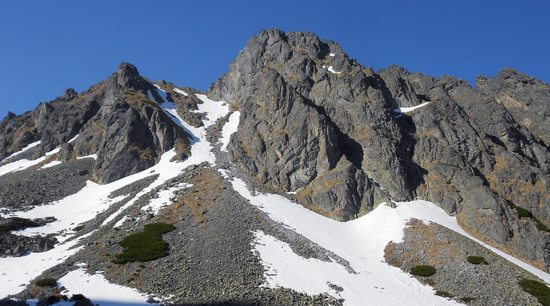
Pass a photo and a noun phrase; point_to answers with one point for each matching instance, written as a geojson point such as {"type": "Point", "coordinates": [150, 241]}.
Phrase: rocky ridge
{"type": "Point", "coordinates": [114, 119]}
{"type": "Point", "coordinates": [315, 125]}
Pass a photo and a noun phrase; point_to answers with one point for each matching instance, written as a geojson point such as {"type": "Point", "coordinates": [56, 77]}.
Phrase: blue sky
{"type": "Point", "coordinates": [47, 46]}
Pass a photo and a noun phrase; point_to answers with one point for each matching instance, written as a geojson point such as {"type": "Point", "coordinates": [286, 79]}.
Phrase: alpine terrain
{"type": "Point", "coordinates": [301, 177]}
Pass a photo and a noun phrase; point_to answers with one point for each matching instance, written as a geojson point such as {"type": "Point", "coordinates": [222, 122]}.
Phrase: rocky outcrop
{"type": "Point", "coordinates": [340, 135]}
{"type": "Point", "coordinates": [185, 100]}
{"type": "Point", "coordinates": [17, 245]}
{"type": "Point", "coordinates": [496, 282]}
{"type": "Point", "coordinates": [22, 190]}
{"type": "Point", "coordinates": [119, 120]}
{"type": "Point", "coordinates": [298, 122]}
{"type": "Point", "coordinates": [479, 162]}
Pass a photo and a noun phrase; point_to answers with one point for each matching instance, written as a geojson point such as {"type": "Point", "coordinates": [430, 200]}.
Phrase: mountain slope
{"type": "Point", "coordinates": [340, 135]}
{"type": "Point", "coordinates": [295, 180]}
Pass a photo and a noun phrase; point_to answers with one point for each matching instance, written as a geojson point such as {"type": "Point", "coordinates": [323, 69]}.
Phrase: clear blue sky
{"type": "Point", "coordinates": [47, 46]}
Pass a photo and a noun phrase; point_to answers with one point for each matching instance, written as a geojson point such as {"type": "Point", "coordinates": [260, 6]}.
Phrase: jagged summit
{"type": "Point", "coordinates": [312, 117]}
{"type": "Point", "coordinates": [127, 76]}
{"type": "Point", "coordinates": [115, 119]}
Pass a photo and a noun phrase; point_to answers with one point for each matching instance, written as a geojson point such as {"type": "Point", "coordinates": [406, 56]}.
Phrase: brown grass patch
{"type": "Point", "coordinates": [207, 186]}
{"type": "Point", "coordinates": [436, 251]}
{"type": "Point", "coordinates": [504, 249]}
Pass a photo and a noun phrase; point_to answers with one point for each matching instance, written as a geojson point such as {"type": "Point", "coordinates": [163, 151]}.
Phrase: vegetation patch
{"type": "Point", "coordinates": [536, 289]}
{"type": "Point", "coordinates": [444, 294]}
{"type": "Point", "coordinates": [524, 213]}
{"type": "Point", "coordinates": [477, 260]}
{"type": "Point", "coordinates": [46, 282]}
{"type": "Point", "coordinates": [197, 200]}
{"type": "Point", "coordinates": [423, 270]}
{"type": "Point", "coordinates": [14, 224]}
{"type": "Point", "coordinates": [467, 299]}
{"type": "Point", "coordinates": [145, 246]}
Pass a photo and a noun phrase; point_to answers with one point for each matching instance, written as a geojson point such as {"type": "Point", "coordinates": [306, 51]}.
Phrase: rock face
{"type": "Point", "coordinates": [18, 245]}
{"type": "Point", "coordinates": [118, 120]}
{"type": "Point", "coordinates": [492, 283]}
{"type": "Point", "coordinates": [340, 135]}
{"type": "Point", "coordinates": [314, 125]}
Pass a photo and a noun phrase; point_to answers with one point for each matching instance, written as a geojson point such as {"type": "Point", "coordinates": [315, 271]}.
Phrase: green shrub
{"type": "Point", "coordinates": [467, 299]}
{"type": "Point", "coordinates": [477, 260]}
{"type": "Point", "coordinates": [540, 226]}
{"type": "Point", "coordinates": [444, 294]}
{"type": "Point", "coordinates": [423, 270]}
{"type": "Point", "coordinates": [145, 246]}
{"type": "Point", "coordinates": [524, 213]}
{"type": "Point", "coordinates": [536, 289]}
{"type": "Point", "coordinates": [46, 282]}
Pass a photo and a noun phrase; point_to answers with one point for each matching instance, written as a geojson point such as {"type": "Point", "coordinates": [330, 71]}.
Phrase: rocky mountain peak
{"type": "Point", "coordinates": [294, 121]}
{"type": "Point", "coordinates": [127, 76]}
{"type": "Point", "coordinates": [312, 118]}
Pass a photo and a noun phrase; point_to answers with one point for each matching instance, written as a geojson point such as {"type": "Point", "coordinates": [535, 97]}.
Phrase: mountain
{"type": "Point", "coordinates": [300, 177]}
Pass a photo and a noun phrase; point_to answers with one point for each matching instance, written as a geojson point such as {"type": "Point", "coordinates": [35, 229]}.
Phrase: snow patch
{"type": "Point", "coordinates": [214, 110]}
{"type": "Point", "coordinates": [160, 92]}
{"type": "Point", "coordinates": [53, 163]}
{"type": "Point", "coordinates": [332, 55]}
{"type": "Point", "coordinates": [361, 242]}
{"type": "Point", "coordinates": [281, 263]}
{"type": "Point", "coordinates": [120, 222]}
{"type": "Point", "coordinates": [164, 198]}
{"type": "Point", "coordinates": [23, 164]}
{"type": "Point", "coordinates": [28, 147]}
{"type": "Point", "coordinates": [94, 156]}
{"type": "Point", "coordinates": [181, 92]}
{"type": "Point", "coordinates": [404, 110]}
{"type": "Point", "coordinates": [224, 172]}
{"type": "Point", "coordinates": [229, 128]}
{"type": "Point", "coordinates": [17, 272]}
{"type": "Point", "coordinates": [330, 69]}
{"type": "Point", "coordinates": [70, 211]}
{"type": "Point", "coordinates": [73, 139]}
{"type": "Point", "coordinates": [99, 290]}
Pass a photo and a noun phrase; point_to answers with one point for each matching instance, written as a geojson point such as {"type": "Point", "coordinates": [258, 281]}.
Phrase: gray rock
{"type": "Point", "coordinates": [114, 119]}
{"type": "Point", "coordinates": [475, 152]}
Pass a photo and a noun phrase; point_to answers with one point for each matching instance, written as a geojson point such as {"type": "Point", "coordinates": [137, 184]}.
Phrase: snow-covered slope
{"type": "Point", "coordinates": [368, 279]}
{"type": "Point", "coordinates": [94, 199]}
{"type": "Point", "coordinates": [361, 242]}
